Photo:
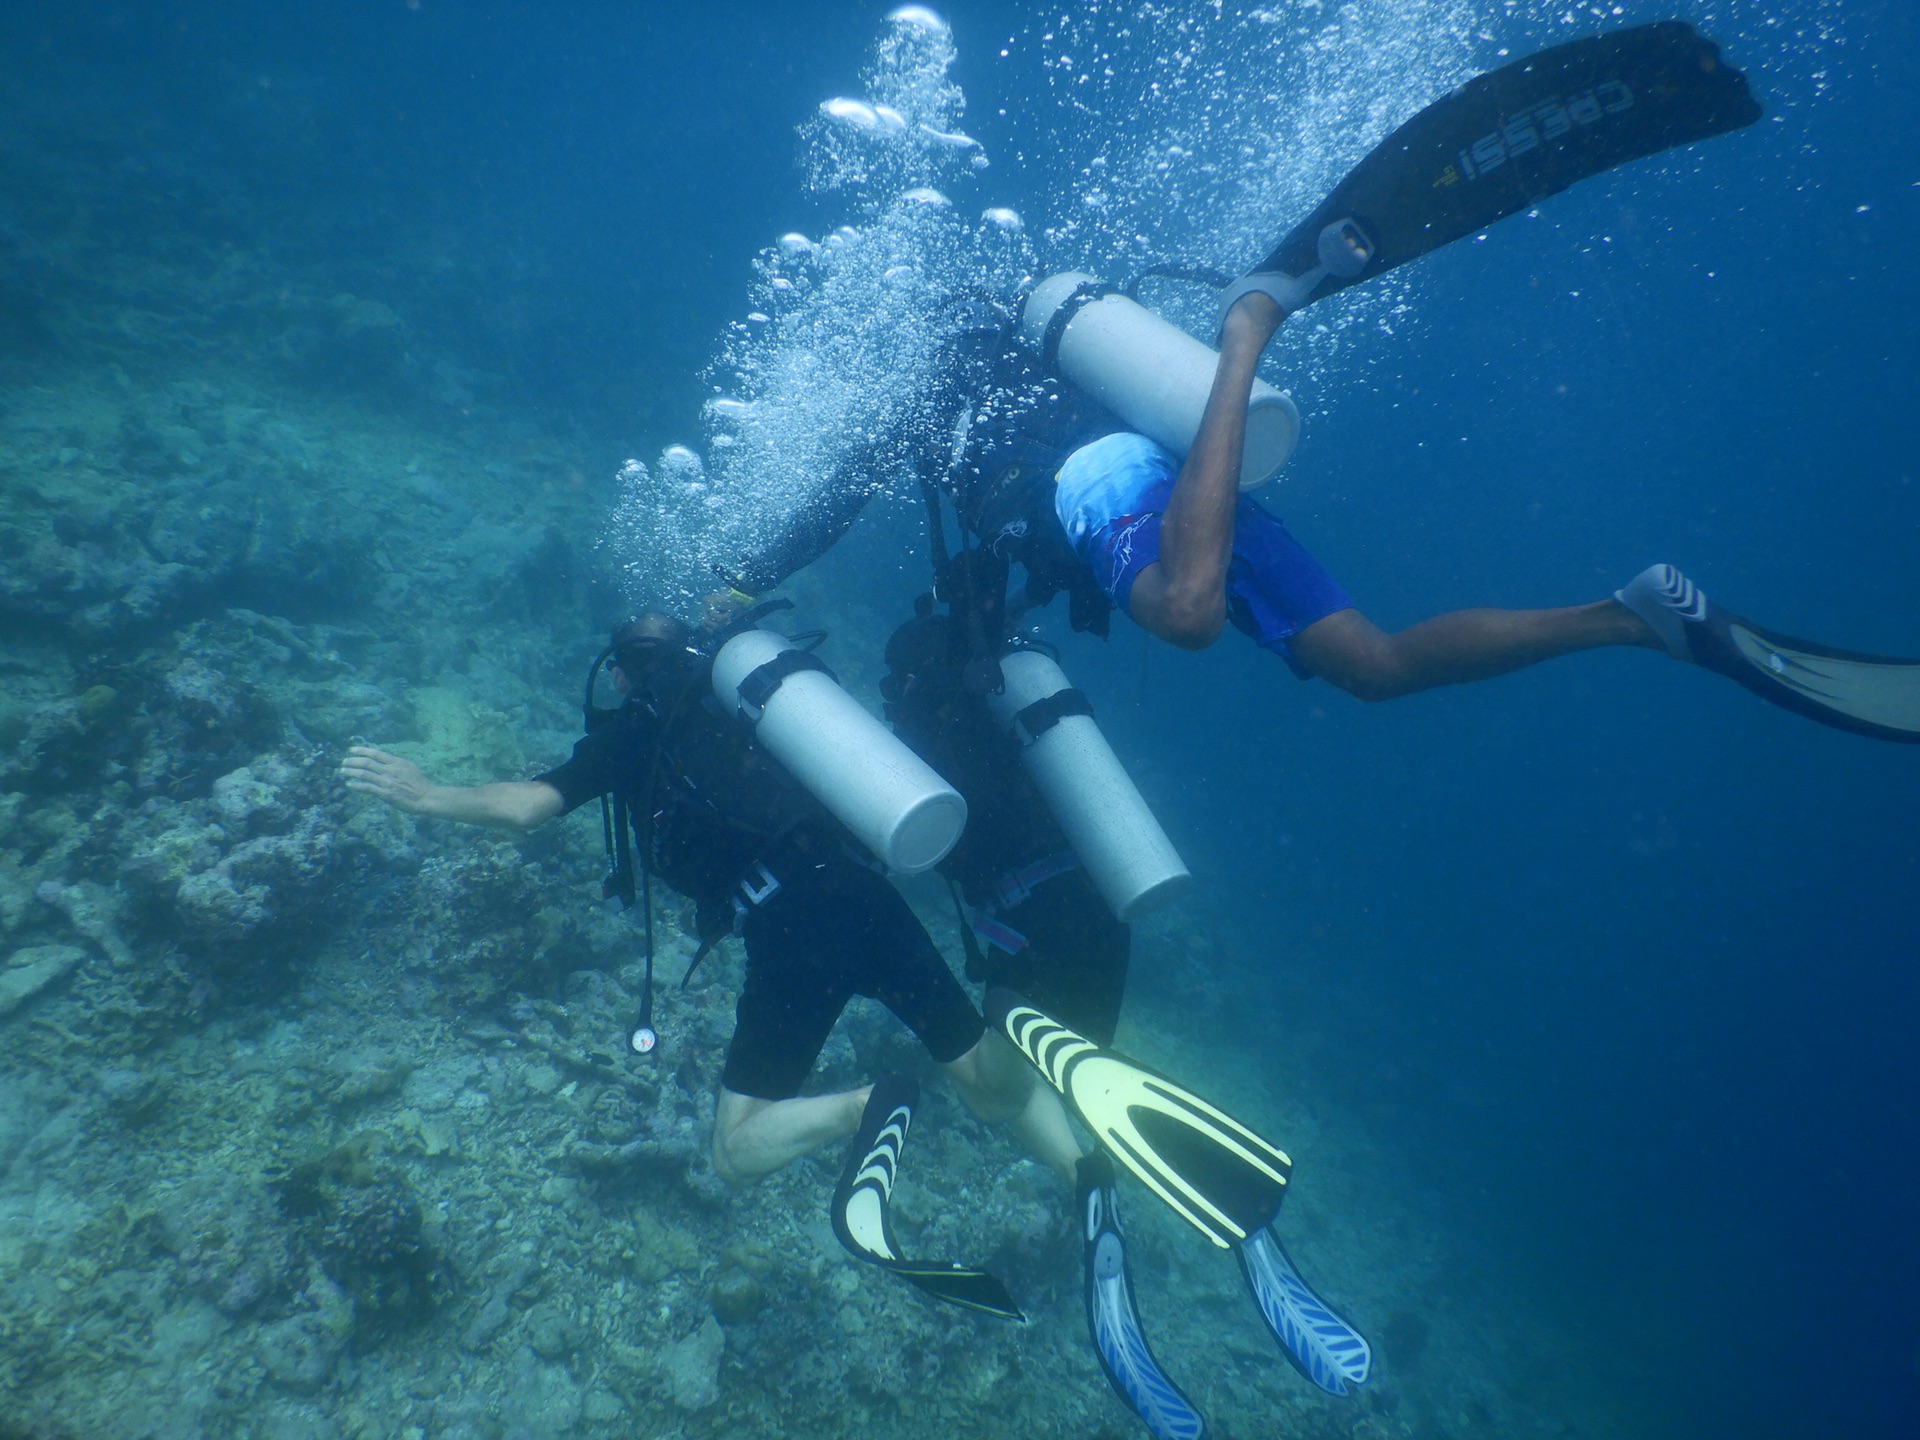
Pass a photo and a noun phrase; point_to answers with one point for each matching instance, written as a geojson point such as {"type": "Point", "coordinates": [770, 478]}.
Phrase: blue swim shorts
{"type": "Point", "coordinates": [1275, 589]}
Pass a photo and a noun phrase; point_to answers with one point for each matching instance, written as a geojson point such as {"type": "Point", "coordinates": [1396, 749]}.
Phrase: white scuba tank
{"type": "Point", "coordinates": [886, 795]}
{"type": "Point", "coordinates": [1150, 373]}
{"type": "Point", "coordinates": [1120, 844]}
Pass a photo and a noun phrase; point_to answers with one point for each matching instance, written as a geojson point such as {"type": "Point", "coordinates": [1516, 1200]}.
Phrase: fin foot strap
{"type": "Point", "coordinates": [1344, 250]}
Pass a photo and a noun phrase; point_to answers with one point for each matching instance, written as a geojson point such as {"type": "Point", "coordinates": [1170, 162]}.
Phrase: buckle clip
{"type": "Point", "coordinates": [768, 887]}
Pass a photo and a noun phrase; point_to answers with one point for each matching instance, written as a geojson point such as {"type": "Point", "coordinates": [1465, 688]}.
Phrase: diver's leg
{"type": "Point", "coordinates": [1182, 596]}
{"type": "Point", "coordinates": [796, 988]}
{"type": "Point", "coordinates": [752, 1138]}
{"type": "Point", "coordinates": [996, 1084]}
{"type": "Point", "coordinates": [1350, 652]}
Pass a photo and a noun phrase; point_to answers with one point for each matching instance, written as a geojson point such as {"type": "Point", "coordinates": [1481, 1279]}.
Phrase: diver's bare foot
{"type": "Point", "coordinates": [1631, 629]}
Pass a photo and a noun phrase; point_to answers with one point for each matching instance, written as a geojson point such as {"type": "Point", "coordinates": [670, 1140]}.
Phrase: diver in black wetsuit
{"type": "Point", "coordinates": [721, 822]}
{"type": "Point", "coordinates": [1038, 925]}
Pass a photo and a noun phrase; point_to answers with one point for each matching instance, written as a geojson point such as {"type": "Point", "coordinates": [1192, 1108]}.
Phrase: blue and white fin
{"type": "Point", "coordinates": [1114, 1322]}
{"type": "Point", "coordinates": [1322, 1346]}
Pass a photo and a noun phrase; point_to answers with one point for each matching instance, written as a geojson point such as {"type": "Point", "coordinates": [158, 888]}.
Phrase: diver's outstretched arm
{"type": "Point", "coordinates": [808, 532]}
{"type": "Point", "coordinates": [1182, 596]}
{"type": "Point", "coordinates": [516, 804]}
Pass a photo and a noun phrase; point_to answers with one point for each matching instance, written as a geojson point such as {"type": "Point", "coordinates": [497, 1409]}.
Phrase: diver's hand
{"type": "Point", "coordinates": [401, 783]}
{"type": "Point", "coordinates": [717, 611]}
{"type": "Point", "coordinates": [1250, 322]}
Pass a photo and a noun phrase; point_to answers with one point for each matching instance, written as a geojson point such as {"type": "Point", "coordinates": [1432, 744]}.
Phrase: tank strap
{"type": "Point", "coordinates": [1042, 715]}
{"type": "Point", "coordinates": [1016, 885]}
{"type": "Point", "coordinates": [757, 687]}
{"type": "Point", "coordinates": [1082, 295]}
{"type": "Point", "coordinates": [994, 933]}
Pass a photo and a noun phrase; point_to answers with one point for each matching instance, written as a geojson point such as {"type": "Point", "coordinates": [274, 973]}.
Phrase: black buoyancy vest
{"type": "Point", "coordinates": [714, 802]}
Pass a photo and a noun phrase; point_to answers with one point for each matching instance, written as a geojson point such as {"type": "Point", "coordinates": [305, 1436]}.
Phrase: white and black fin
{"type": "Point", "coordinates": [864, 1223]}
{"type": "Point", "coordinates": [1876, 695]}
{"type": "Point", "coordinates": [1113, 1321]}
{"type": "Point", "coordinates": [1322, 1346]}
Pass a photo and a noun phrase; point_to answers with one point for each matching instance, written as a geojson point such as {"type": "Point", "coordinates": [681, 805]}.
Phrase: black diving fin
{"type": "Point", "coordinates": [1214, 1172]}
{"type": "Point", "coordinates": [1503, 142]}
{"type": "Point", "coordinates": [863, 1220]}
{"type": "Point", "coordinates": [1874, 695]}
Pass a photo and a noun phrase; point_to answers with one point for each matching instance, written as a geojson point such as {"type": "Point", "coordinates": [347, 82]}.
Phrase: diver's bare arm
{"type": "Point", "coordinates": [516, 804]}
{"type": "Point", "coordinates": [1182, 596]}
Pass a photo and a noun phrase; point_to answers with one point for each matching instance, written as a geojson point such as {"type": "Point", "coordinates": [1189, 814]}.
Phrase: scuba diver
{"type": "Point", "coordinates": [718, 819]}
{"type": "Point", "coordinates": [1108, 454]}
{"type": "Point", "coordinates": [1035, 921]}
{"type": "Point", "coordinates": [693, 778]}
{"type": "Point", "coordinates": [1042, 935]}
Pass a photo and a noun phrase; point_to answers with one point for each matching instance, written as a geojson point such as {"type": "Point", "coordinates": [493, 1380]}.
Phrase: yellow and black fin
{"type": "Point", "coordinates": [1214, 1172]}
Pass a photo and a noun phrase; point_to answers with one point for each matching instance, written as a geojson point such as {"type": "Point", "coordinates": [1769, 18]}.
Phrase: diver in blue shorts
{"type": "Point", "coordinates": [1173, 543]}
{"type": "Point", "coordinates": [1043, 478]}
{"type": "Point", "coordinates": [1182, 551]}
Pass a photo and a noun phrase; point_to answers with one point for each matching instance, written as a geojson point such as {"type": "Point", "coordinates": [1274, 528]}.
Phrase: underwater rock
{"type": "Point", "coordinates": [516, 570]}
{"type": "Point", "coordinates": [552, 1333]}
{"type": "Point", "coordinates": [272, 879]}
{"type": "Point", "coordinates": [94, 911]}
{"type": "Point", "coordinates": [603, 1407]}
{"type": "Point", "coordinates": [497, 1309]}
{"type": "Point", "coordinates": [356, 1215]}
{"type": "Point", "coordinates": [246, 803]}
{"type": "Point", "coordinates": [206, 722]}
{"type": "Point", "coordinates": [659, 1248]}
{"type": "Point", "coordinates": [230, 1243]}
{"type": "Point", "coordinates": [133, 1097]}
{"type": "Point", "coordinates": [349, 343]}
{"type": "Point", "coordinates": [485, 924]}
{"type": "Point", "coordinates": [32, 970]}
{"type": "Point", "coordinates": [302, 1351]}
{"type": "Point", "coordinates": [541, 1399]}
{"type": "Point", "coordinates": [692, 1365]}
{"type": "Point", "coordinates": [737, 1296]}
{"type": "Point", "coordinates": [365, 1074]}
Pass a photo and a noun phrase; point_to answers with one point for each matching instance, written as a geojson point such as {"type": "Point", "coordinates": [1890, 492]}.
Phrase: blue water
{"type": "Point", "coordinates": [1616, 962]}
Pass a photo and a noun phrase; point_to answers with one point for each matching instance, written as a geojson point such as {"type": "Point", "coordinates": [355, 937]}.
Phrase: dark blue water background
{"type": "Point", "coordinates": [1620, 960]}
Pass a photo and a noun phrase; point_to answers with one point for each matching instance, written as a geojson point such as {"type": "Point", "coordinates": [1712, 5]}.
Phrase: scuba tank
{"type": "Point", "coordinates": [1150, 373]}
{"type": "Point", "coordinates": [886, 795]}
{"type": "Point", "coordinates": [1120, 844]}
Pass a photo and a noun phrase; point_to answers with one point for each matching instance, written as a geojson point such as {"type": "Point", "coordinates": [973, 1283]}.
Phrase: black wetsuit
{"type": "Point", "coordinates": [718, 820]}
{"type": "Point", "coordinates": [1052, 939]}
